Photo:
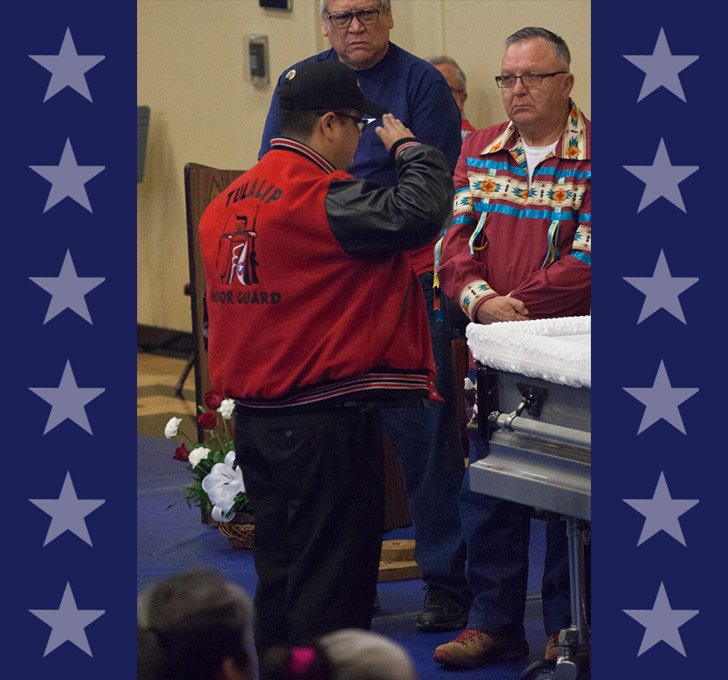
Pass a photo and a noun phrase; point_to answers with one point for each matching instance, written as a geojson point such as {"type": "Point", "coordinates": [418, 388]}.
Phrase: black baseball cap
{"type": "Point", "coordinates": [324, 85]}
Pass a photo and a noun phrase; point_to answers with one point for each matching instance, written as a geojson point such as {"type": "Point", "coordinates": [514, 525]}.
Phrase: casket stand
{"type": "Point", "coordinates": [534, 409]}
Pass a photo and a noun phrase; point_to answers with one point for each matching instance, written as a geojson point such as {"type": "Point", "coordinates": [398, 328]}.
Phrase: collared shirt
{"type": "Point", "coordinates": [532, 240]}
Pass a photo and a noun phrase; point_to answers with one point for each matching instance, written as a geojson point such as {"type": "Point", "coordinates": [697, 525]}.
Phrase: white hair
{"type": "Point", "coordinates": [382, 5]}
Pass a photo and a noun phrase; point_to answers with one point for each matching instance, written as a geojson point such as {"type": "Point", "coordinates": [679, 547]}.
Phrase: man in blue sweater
{"type": "Point", "coordinates": [428, 442]}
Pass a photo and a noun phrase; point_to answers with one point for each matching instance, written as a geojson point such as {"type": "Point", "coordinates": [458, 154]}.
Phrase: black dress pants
{"type": "Point", "coordinates": [316, 483]}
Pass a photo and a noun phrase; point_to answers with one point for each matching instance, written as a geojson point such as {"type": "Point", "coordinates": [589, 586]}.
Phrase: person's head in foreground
{"type": "Point", "coordinates": [343, 655]}
{"type": "Point", "coordinates": [195, 625]}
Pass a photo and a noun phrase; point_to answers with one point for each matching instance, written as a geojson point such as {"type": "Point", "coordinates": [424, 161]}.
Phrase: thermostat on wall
{"type": "Point", "coordinates": [276, 4]}
{"type": "Point", "coordinates": [256, 51]}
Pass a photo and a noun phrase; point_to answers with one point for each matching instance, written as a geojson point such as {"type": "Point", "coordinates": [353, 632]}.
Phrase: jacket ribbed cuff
{"type": "Point", "coordinates": [394, 149]}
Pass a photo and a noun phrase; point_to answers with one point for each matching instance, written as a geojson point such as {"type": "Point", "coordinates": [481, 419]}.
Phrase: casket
{"type": "Point", "coordinates": [534, 408]}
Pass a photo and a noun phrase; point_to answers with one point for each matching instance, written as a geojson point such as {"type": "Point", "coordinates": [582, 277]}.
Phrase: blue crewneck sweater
{"type": "Point", "coordinates": [411, 89]}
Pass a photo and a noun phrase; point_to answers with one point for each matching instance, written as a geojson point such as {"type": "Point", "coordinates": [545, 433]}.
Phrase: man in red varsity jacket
{"type": "Point", "coordinates": [316, 319]}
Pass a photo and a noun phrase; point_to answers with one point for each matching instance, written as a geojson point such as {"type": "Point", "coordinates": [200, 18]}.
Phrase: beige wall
{"type": "Point", "coordinates": [191, 75]}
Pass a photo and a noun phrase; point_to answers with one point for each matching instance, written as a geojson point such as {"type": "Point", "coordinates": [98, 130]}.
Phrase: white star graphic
{"type": "Point", "coordinates": [661, 623]}
{"type": "Point", "coordinates": [661, 512]}
{"type": "Point", "coordinates": [67, 400]}
{"type": "Point", "coordinates": [661, 178]}
{"type": "Point", "coordinates": [661, 68]}
{"type": "Point", "coordinates": [68, 512]}
{"type": "Point", "coordinates": [661, 400]}
{"type": "Point", "coordinates": [67, 68]}
{"type": "Point", "coordinates": [68, 290]}
{"type": "Point", "coordinates": [661, 290]}
{"type": "Point", "coordinates": [67, 623]}
{"type": "Point", "coordinates": [67, 179]}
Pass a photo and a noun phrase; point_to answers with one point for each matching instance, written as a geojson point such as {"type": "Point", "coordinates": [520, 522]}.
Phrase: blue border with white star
{"type": "Point", "coordinates": [657, 463]}
{"type": "Point", "coordinates": [651, 552]}
{"type": "Point", "coordinates": [70, 329]}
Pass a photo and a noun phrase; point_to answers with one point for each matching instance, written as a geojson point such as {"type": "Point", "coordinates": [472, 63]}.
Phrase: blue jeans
{"type": "Point", "coordinates": [430, 451]}
{"type": "Point", "coordinates": [497, 534]}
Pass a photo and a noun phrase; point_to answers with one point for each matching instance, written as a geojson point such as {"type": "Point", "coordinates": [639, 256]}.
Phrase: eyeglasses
{"type": "Point", "coordinates": [527, 79]}
{"type": "Point", "coordinates": [361, 123]}
{"type": "Point", "coordinates": [344, 19]}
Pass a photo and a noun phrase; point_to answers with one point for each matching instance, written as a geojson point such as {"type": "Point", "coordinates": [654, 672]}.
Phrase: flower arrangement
{"type": "Point", "coordinates": [218, 486]}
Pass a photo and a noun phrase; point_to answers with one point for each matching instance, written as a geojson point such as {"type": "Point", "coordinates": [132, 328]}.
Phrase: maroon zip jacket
{"type": "Point", "coordinates": [311, 299]}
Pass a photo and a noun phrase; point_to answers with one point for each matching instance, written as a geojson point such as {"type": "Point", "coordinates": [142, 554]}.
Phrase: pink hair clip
{"type": "Point", "coordinates": [301, 659]}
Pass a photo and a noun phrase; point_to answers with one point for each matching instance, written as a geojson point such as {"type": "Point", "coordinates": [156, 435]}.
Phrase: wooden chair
{"type": "Point", "coordinates": [202, 185]}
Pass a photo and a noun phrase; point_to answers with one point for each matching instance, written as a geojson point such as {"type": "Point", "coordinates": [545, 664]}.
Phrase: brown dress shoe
{"type": "Point", "coordinates": [473, 648]}
{"type": "Point", "coordinates": [553, 649]}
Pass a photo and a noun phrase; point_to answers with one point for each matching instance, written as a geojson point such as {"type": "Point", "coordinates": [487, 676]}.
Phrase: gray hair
{"type": "Point", "coordinates": [459, 73]}
{"type": "Point", "coordinates": [363, 655]}
{"type": "Point", "coordinates": [382, 5]}
{"type": "Point", "coordinates": [530, 32]}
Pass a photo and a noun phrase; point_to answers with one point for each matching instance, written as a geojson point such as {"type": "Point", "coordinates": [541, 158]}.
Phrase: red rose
{"type": "Point", "coordinates": [212, 400]}
{"type": "Point", "coordinates": [208, 420]}
{"type": "Point", "coordinates": [181, 453]}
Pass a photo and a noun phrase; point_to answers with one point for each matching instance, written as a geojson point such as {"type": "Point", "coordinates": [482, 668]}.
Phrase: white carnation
{"type": "Point", "coordinates": [198, 454]}
{"type": "Point", "coordinates": [171, 429]}
{"type": "Point", "coordinates": [226, 408]}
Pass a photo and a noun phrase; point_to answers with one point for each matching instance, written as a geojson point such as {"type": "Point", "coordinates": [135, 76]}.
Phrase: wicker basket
{"type": "Point", "coordinates": [239, 533]}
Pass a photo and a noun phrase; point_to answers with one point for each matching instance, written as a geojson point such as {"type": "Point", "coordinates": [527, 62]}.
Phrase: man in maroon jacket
{"type": "Point", "coordinates": [316, 321]}
{"type": "Point", "coordinates": [519, 248]}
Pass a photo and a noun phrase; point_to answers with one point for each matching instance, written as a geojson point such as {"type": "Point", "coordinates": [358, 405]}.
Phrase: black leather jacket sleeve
{"type": "Point", "coordinates": [368, 219]}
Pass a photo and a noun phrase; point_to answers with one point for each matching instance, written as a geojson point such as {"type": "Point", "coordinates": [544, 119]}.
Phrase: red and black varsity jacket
{"type": "Point", "coordinates": [310, 295]}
